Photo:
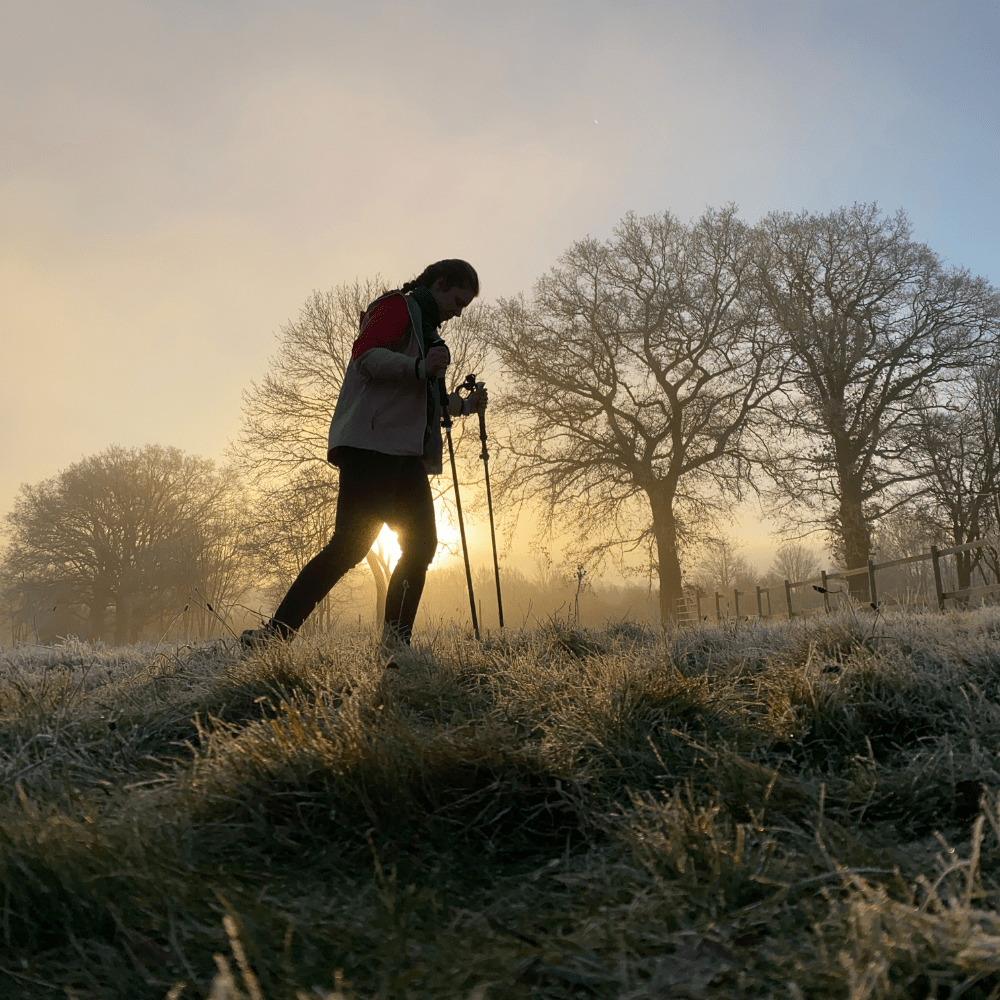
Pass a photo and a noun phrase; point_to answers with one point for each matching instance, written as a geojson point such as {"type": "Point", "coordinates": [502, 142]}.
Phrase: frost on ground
{"type": "Point", "coordinates": [739, 809]}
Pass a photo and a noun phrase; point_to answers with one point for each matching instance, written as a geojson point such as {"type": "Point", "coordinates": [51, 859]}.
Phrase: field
{"type": "Point", "coordinates": [798, 809]}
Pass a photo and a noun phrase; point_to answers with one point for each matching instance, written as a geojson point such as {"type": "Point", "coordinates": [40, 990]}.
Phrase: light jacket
{"type": "Point", "coordinates": [383, 402]}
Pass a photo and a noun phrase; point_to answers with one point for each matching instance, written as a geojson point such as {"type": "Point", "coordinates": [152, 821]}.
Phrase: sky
{"type": "Point", "coordinates": [176, 177]}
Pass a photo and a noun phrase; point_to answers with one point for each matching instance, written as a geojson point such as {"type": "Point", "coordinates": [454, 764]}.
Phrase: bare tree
{"type": "Point", "coordinates": [286, 416]}
{"type": "Point", "coordinates": [956, 449]}
{"type": "Point", "coordinates": [139, 530]}
{"type": "Point", "coordinates": [794, 562]}
{"type": "Point", "coordinates": [870, 319]}
{"type": "Point", "coordinates": [721, 567]}
{"type": "Point", "coordinates": [640, 366]}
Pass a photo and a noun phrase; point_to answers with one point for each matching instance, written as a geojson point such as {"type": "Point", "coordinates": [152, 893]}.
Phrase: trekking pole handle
{"type": "Point", "coordinates": [482, 427]}
{"type": "Point", "coordinates": [468, 385]}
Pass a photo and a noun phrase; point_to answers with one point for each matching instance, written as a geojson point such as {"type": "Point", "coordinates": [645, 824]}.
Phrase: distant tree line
{"type": "Point", "coordinates": [829, 363]}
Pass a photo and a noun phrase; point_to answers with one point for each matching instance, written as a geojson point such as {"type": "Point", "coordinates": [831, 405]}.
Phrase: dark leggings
{"type": "Point", "coordinates": [375, 489]}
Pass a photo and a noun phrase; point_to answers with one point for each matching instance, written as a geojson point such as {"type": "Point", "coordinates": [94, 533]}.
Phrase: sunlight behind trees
{"type": "Point", "coordinates": [827, 364]}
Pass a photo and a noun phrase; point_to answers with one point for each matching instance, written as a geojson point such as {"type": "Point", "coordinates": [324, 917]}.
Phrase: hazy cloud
{"type": "Point", "coordinates": [176, 178]}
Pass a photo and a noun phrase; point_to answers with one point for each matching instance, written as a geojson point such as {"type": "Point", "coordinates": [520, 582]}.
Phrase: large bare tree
{"type": "Point", "coordinates": [640, 366]}
{"type": "Point", "coordinates": [871, 321]}
{"type": "Point", "coordinates": [286, 417]}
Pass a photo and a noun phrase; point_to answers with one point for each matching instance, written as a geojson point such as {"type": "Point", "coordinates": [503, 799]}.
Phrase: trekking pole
{"type": "Point", "coordinates": [485, 456]}
{"type": "Point", "coordinates": [446, 423]}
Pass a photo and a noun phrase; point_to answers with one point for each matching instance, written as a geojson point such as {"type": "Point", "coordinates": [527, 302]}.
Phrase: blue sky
{"type": "Point", "coordinates": [176, 178]}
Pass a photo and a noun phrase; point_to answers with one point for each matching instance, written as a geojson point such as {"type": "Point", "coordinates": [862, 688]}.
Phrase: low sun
{"type": "Point", "coordinates": [449, 543]}
{"type": "Point", "coordinates": [387, 546]}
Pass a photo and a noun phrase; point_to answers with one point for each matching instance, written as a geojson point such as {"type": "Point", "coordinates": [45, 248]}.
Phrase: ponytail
{"type": "Point", "coordinates": [454, 272]}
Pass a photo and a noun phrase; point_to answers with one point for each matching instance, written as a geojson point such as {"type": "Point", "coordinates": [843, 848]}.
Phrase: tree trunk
{"type": "Point", "coordinates": [97, 612]}
{"type": "Point", "coordinates": [969, 560]}
{"type": "Point", "coordinates": [380, 574]}
{"type": "Point", "coordinates": [965, 563]}
{"type": "Point", "coordinates": [665, 533]}
{"type": "Point", "coordinates": [855, 534]}
{"type": "Point", "coordinates": [122, 619]}
{"type": "Point", "coordinates": [126, 595]}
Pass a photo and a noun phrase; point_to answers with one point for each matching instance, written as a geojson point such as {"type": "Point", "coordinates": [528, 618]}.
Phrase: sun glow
{"type": "Point", "coordinates": [449, 543]}
{"type": "Point", "coordinates": [387, 547]}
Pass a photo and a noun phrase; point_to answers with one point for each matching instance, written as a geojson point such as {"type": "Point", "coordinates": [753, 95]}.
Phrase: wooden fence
{"type": "Point", "coordinates": [697, 606]}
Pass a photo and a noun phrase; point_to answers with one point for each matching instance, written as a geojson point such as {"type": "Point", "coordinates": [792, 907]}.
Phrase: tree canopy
{"type": "Point", "coordinates": [877, 330]}
{"type": "Point", "coordinates": [644, 368]}
{"type": "Point", "coordinates": [132, 530]}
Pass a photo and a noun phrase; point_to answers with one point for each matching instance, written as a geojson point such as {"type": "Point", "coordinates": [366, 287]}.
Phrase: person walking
{"type": "Point", "coordinates": [385, 438]}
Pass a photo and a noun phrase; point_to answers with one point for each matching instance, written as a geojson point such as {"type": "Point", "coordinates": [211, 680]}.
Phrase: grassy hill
{"type": "Point", "coordinates": [801, 809]}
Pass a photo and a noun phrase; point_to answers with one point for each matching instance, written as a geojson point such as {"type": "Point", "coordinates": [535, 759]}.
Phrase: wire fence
{"type": "Point", "coordinates": [927, 579]}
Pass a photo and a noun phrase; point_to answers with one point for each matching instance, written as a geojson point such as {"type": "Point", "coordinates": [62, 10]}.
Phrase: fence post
{"type": "Point", "coordinates": [938, 588]}
{"type": "Point", "coordinates": [760, 606]}
{"type": "Point", "coordinates": [736, 602]}
{"type": "Point", "coordinates": [871, 584]}
{"type": "Point", "coordinates": [788, 600]}
{"type": "Point", "coordinates": [718, 607]}
{"type": "Point", "coordinates": [770, 613]}
{"type": "Point", "coordinates": [826, 591]}
{"type": "Point", "coordinates": [697, 601]}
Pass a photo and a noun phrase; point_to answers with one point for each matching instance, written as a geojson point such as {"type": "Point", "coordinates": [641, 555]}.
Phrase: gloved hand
{"type": "Point", "coordinates": [436, 361]}
{"type": "Point", "coordinates": [475, 402]}
{"type": "Point", "coordinates": [478, 399]}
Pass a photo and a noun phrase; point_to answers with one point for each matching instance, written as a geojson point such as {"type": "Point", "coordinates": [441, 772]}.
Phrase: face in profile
{"type": "Point", "coordinates": [451, 301]}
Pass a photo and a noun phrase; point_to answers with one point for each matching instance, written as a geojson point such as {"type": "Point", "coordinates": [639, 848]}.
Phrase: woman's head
{"type": "Point", "coordinates": [445, 275]}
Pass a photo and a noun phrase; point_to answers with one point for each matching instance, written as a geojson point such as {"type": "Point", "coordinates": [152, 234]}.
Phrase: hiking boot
{"type": "Point", "coordinates": [261, 638]}
{"type": "Point", "coordinates": [394, 651]}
